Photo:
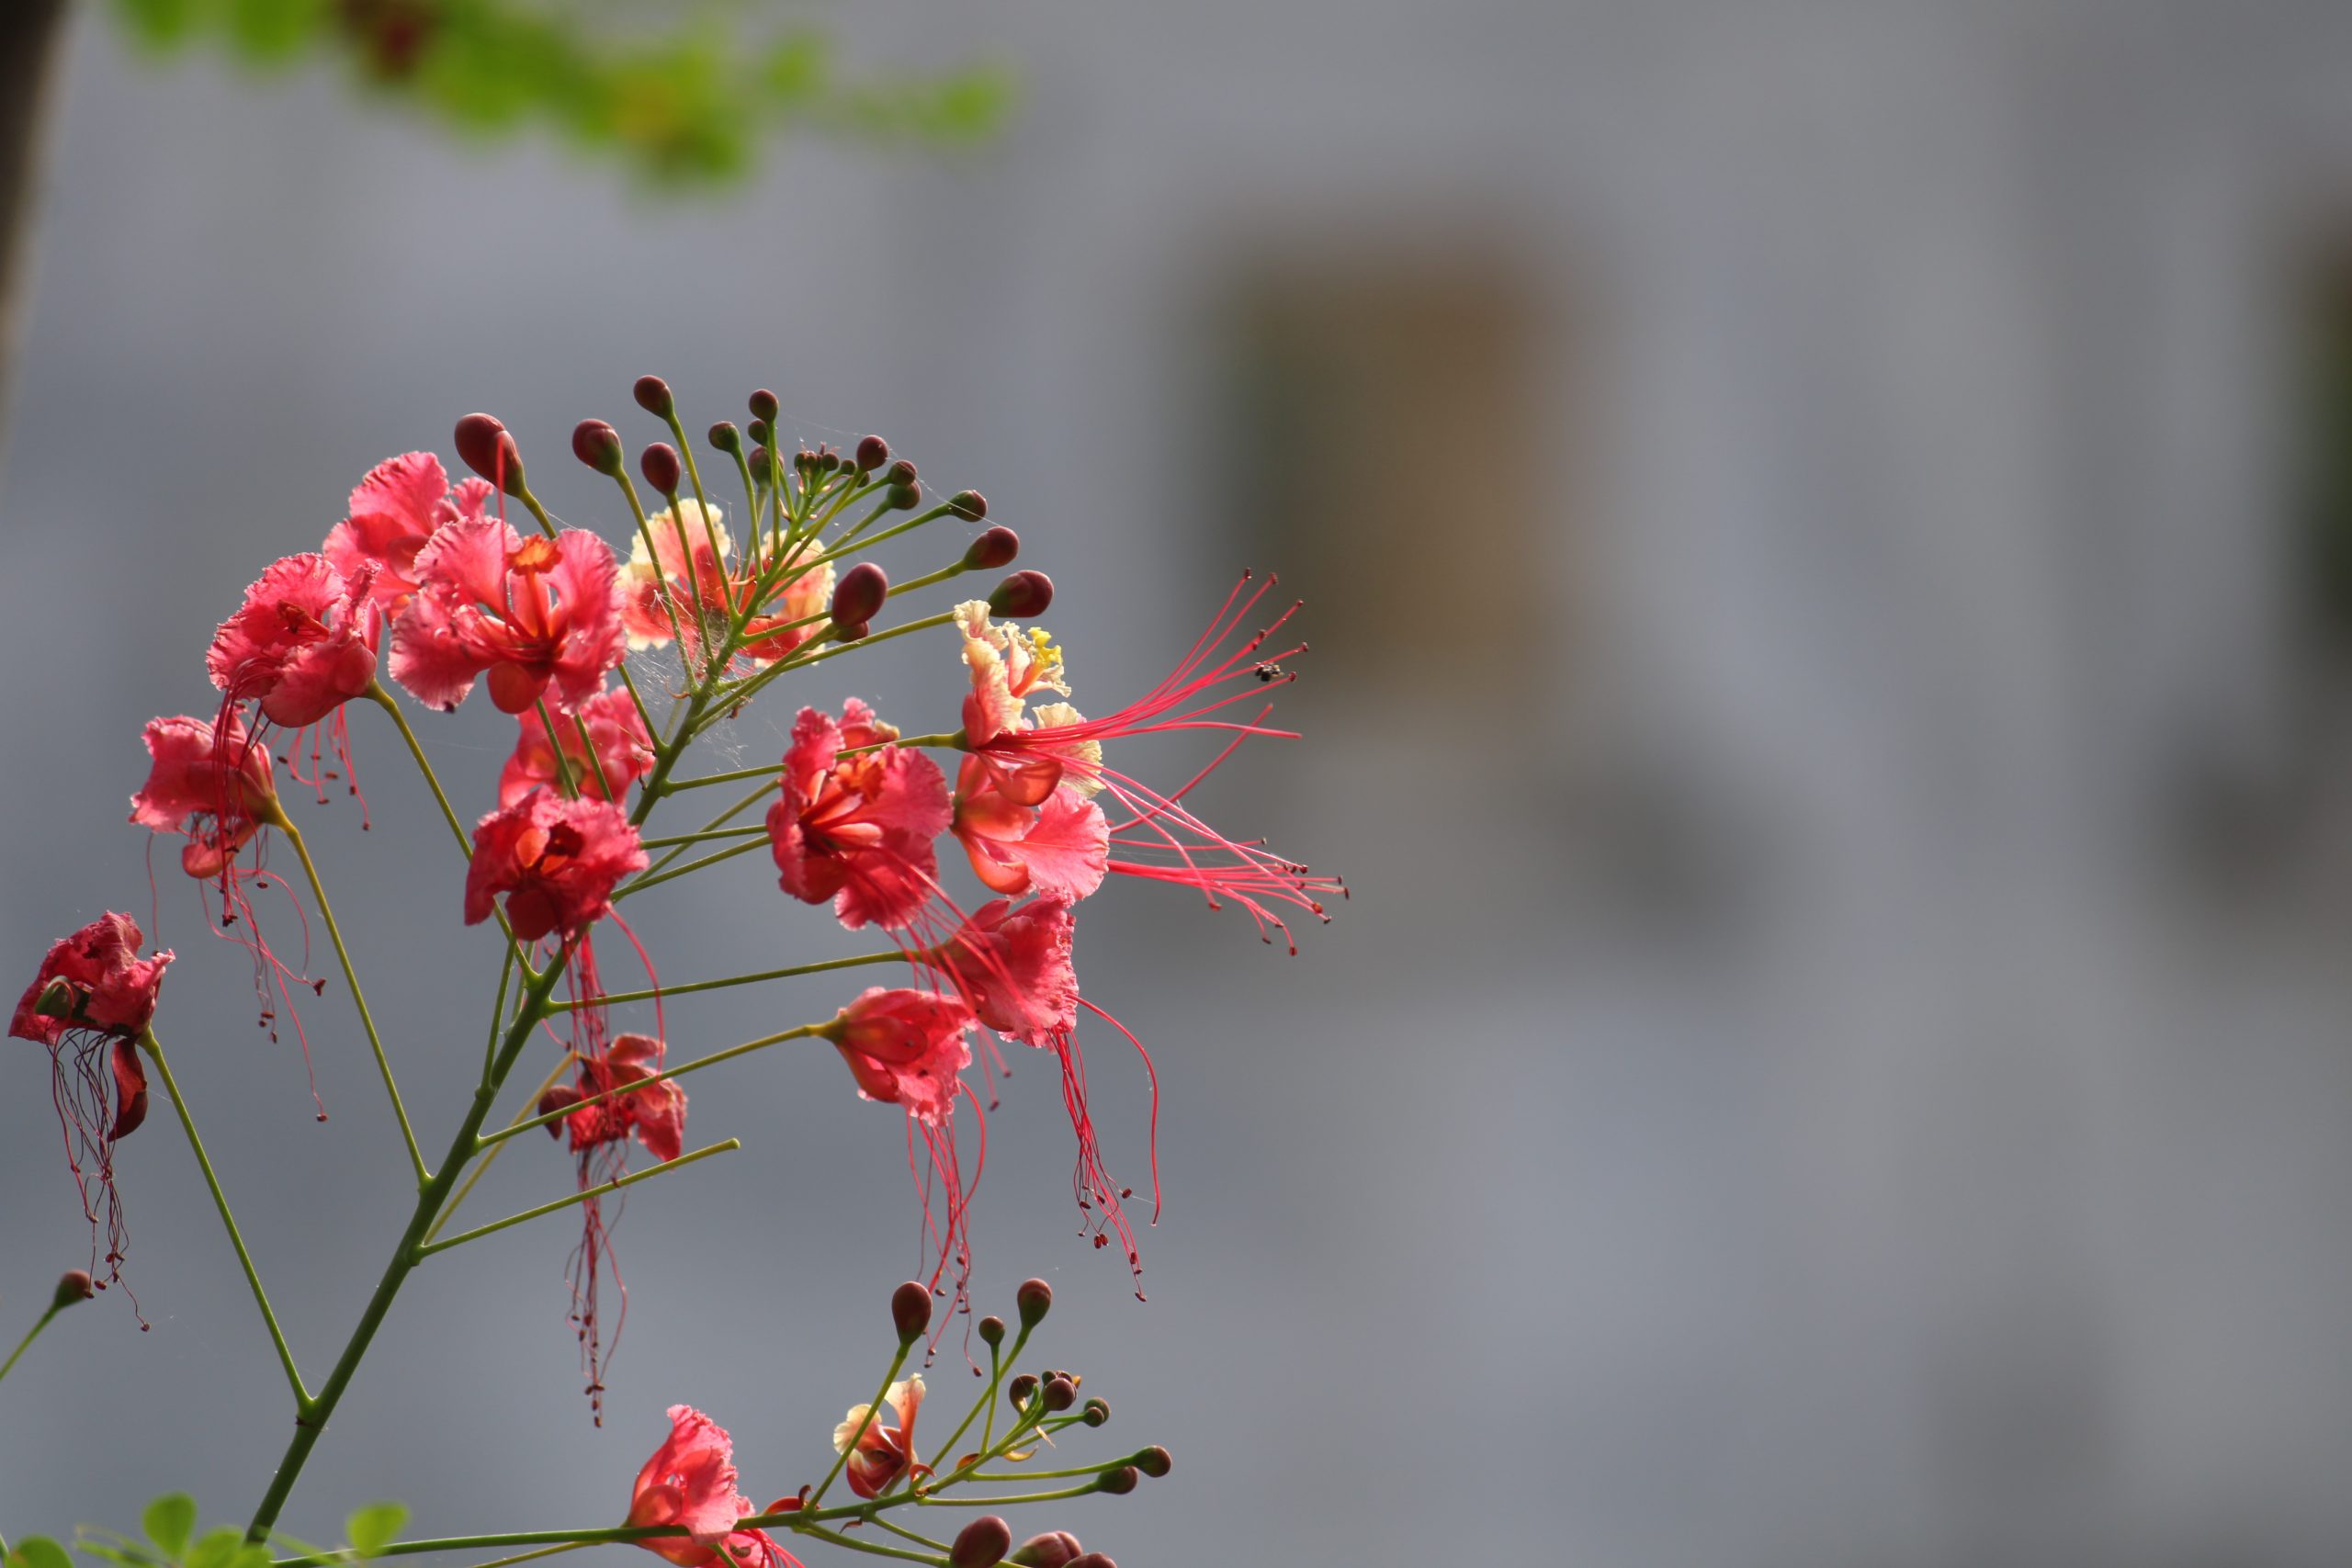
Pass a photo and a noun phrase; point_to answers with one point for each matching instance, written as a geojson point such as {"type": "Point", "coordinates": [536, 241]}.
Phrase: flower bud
{"type": "Point", "coordinates": [75, 1285]}
{"type": "Point", "coordinates": [486, 448]}
{"type": "Point", "coordinates": [1091, 1560]}
{"type": "Point", "coordinates": [1118, 1483]}
{"type": "Point", "coordinates": [658, 464]}
{"type": "Point", "coordinates": [1055, 1549]}
{"type": "Point", "coordinates": [598, 445]}
{"type": "Point", "coordinates": [1154, 1461]}
{"type": "Point", "coordinates": [872, 453]}
{"type": "Point", "coordinates": [758, 463]}
{"type": "Point", "coordinates": [1097, 1411]}
{"type": "Point", "coordinates": [902, 498]}
{"type": "Point", "coordinates": [994, 547]}
{"type": "Point", "coordinates": [980, 1543]}
{"type": "Point", "coordinates": [559, 1096]}
{"type": "Point", "coordinates": [993, 1329]}
{"type": "Point", "coordinates": [1019, 1390]}
{"type": "Point", "coordinates": [1060, 1393]}
{"type": "Point", "coordinates": [852, 631]}
{"type": "Point", "coordinates": [900, 473]}
{"type": "Point", "coordinates": [1035, 1298]}
{"type": "Point", "coordinates": [860, 592]}
{"type": "Point", "coordinates": [760, 431]}
{"type": "Point", "coordinates": [910, 1311]}
{"type": "Point", "coordinates": [969, 504]}
{"type": "Point", "coordinates": [764, 406]}
{"type": "Point", "coordinates": [1023, 595]}
{"type": "Point", "coordinates": [653, 397]}
{"type": "Point", "coordinates": [726, 437]}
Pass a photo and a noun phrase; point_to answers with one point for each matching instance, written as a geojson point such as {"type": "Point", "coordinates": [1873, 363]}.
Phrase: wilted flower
{"type": "Point", "coordinates": [655, 1113]}
{"type": "Point", "coordinates": [211, 783]}
{"type": "Point", "coordinates": [690, 1482]}
{"type": "Point", "coordinates": [906, 1047]}
{"type": "Point", "coordinates": [298, 643]}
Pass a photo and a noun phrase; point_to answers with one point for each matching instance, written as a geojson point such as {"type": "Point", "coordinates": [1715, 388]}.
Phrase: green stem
{"type": "Point", "coordinates": [652, 880]}
{"type": "Point", "coordinates": [528, 1556]}
{"type": "Point", "coordinates": [30, 1335]}
{"type": "Point", "coordinates": [764, 771]}
{"type": "Point", "coordinates": [840, 1458]}
{"type": "Point", "coordinates": [285, 824]}
{"type": "Point", "coordinates": [384, 699]}
{"type": "Point", "coordinates": [998, 1502]}
{"type": "Point", "coordinates": [154, 1049]}
{"type": "Point", "coordinates": [616, 998]}
{"type": "Point", "coordinates": [547, 524]}
{"type": "Point", "coordinates": [874, 1547]}
{"type": "Point", "coordinates": [679, 840]}
{"type": "Point", "coordinates": [802, 1032]}
{"type": "Point", "coordinates": [915, 1536]}
{"type": "Point", "coordinates": [725, 817]}
{"type": "Point", "coordinates": [564, 779]}
{"type": "Point", "coordinates": [595, 763]}
{"type": "Point", "coordinates": [457, 1200]}
{"type": "Point", "coordinates": [426, 1249]}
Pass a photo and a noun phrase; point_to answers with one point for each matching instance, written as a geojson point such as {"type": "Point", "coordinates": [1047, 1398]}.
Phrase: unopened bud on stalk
{"type": "Point", "coordinates": [993, 1329]}
{"type": "Point", "coordinates": [1120, 1481]}
{"type": "Point", "coordinates": [653, 397]}
{"type": "Point", "coordinates": [982, 1543]}
{"type": "Point", "coordinates": [764, 406]}
{"type": "Point", "coordinates": [758, 463]}
{"type": "Point", "coordinates": [598, 445]}
{"type": "Point", "coordinates": [852, 631]}
{"type": "Point", "coordinates": [910, 1311]}
{"type": "Point", "coordinates": [726, 437]}
{"type": "Point", "coordinates": [969, 504]}
{"type": "Point", "coordinates": [1091, 1560]}
{"type": "Point", "coordinates": [902, 498]}
{"type": "Point", "coordinates": [1154, 1461]}
{"type": "Point", "coordinates": [74, 1285]}
{"type": "Point", "coordinates": [900, 473]}
{"type": "Point", "coordinates": [1022, 596]}
{"type": "Point", "coordinates": [860, 592]}
{"type": "Point", "coordinates": [1055, 1549]}
{"type": "Point", "coordinates": [1019, 1390]}
{"type": "Point", "coordinates": [1060, 1393]}
{"type": "Point", "coordinates": [486, 448]}
{"type": "Point", "coordinates": [1097, 1411]}
{"type": "Point", "coordinates": [872, 453]}
{"type": "Point", "coordinates": [760, 431]}
{"type": "Point", "coordinates": [658, 464]}
{"type": "Point", "coordinates": [1035, 1298]}
{"type": "Point", "coordinates": [992, 548]}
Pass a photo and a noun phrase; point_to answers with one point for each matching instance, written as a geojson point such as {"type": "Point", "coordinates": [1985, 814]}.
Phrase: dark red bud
{"type": "Point", "coordinates": [993, 1329]}
{"type": "Point", "coordinates": [994, 547]}
{"type": "Point", "coordinates": [1035, 1298]}
{"type": "Point", "coordinates": [872, 453]}
{"type": "Point", "coordinates": [485, 447]}
{"type": "Point", "coordinates": [653, 397]}
{"type": "Point", "coordinates": [1055, 1549]}
{"type": "Point", "coordinates": [1091, 1559]}
{"type": "Point", "coordinates": [1120, 1481]}
{"type": "Point", "coordinates": [598, 445]}
{"type": "Point", "coordinates": [726, 437]}
{"type": "Point", "coordinates": [561, 1097]}
{"type": "Point", "coordinates": [982, 1543]}
{"type": "Point", "coordinates": [900, 473]}
{"type": "Point", "coordinates": [1060, 1393]}
{"type": "Point", "coordinates": [1020, 1389]}
{"type": "Point", "coordinates": [760, 431]}
{"type": "Point", "coordinates": [969, 504]}
{"type": "Point", "coordinates": [1097, 1411]}
{"type": "Point", "coordinates": [852, 631]}
{"type": "Point", "coordinates": [910, 1311]}
{"type": "Point", "coordinates": [860, 592]}
{"type": "Point", "coordinates": [1023, 595]}
{"type": "Point", "coordinates": [1154, 1461]}
{"type": "Point", "coordinates": [758, 463]}
{"type": "Point", "coordinates": [902, 498]}
{"type": "Point", "coordinates": [75, 1285]}
{"type": "Point", "coordinates": [764, 406]}
{"type": "Point", "coordinates": [658, 464]}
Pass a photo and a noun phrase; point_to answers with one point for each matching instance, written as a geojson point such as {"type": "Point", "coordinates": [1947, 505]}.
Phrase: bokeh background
{"type": "Point", "coordinates": [1828, 538]}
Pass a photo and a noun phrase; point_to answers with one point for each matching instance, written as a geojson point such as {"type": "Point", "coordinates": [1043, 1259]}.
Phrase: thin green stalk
{"type": "Point", "coordinates": [547, 524]}
{"type": "Point", "coordinates": [874, 1547]}
{"type": "Point", "coordinates": [651, 880]}
{"type": "Point", "coordinates": [384, 699]}
{"type": "Point", "coordinates": [802, 1032]}
{"type": "Point", "coordinates": [745, 690]}
{"type": "Point", "coordinates": [691, 839]}
{"type": "Point", "coordinates": [997, 1364]}
{"type": "Point", "coordinates": [840, 1458]}
{"type": "Point", "coordinates": [285, 824]}
{"type": "Point", "coordinates": [30, 1335]}
{"type": "Point", "coordinates": [661, 584]}
{"type": "Point", "coordinates": [154, 1049]}
{"type": "Point", "coordinates": [915, 1536]}
{"type": "Point", "coordinates": [497, 1013]}
{"type": "Point", "coordinates": [595, 763]}
{"type": "Point", "coordinates": [666, 992]}
{"type": "Point", "coordinates": [564, 779]}
{"type": "Point", "coordinates": [528, 1556]}
{"type": "Point", "coordinates": [727, 815]}
{"type": "Point", "coordinates": [929, 1501]}
{"type": "Point", "coordinates": [426, 1249]}
{"type": "Point", "coordinates": [678, 785]}
{"type": "Point", "coordinates": [529, 1106]}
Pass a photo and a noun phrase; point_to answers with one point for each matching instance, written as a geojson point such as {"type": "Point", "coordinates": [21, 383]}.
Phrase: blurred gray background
{"type": "Point", "coordinates": [1828, 542]}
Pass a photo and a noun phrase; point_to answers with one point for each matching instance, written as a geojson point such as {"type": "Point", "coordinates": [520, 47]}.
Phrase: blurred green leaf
{"type": "Point", "coordinates": [169, 1521]}
{"type": "Point", "coordinates": [38, 1551]}
{"type": "Point", "coordinates": [216, 1549]}
{"type": "Point", "coordinates": [372, 1528]}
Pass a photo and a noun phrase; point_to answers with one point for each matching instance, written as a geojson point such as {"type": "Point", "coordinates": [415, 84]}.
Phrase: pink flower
{"type": "Point", "coordinates": [886, 1450]}
{"type": "Point", "coordinates": [1013, 968]}
{"type": "Point", "coordinates": [857, 830]}
{"type": "Point", "coordinates": [1059, 848]}
{"type": "Point", "coordinates": [108, 987]}
{"type": "Point", "coordinates": [557, 861]}
{"type": "Point", "coordinates": [624, 750]}
{"type": "Point", "coordinates": [393, 514]}
{"type": "Point", "coordinates": [541, 618]}
{"type": "Point", "coordinates": [655, 1113]}
{"type": "Point", "coordinates": [298, 643]}
{"type": "Point", "coordinates": [704, 586]}
{"type": "Point", "coordinates": [690, 1482]}
{"type": "Point", "coordinates": [906, 1047]}
{"type": "Point", "coordinates": [209, 783]}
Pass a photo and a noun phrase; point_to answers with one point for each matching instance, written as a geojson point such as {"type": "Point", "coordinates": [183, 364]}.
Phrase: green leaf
{"type": "Point", "coordinates": [372, 1528]}
{"type": "Point", "coordinates": [38, 1551]}
{"type": "Point", "coordinates": [169, 1521]}
{"type": "Point", "coordinates": [216, 1548]}
{"type": "Point", "coordinates": [129, 1556]}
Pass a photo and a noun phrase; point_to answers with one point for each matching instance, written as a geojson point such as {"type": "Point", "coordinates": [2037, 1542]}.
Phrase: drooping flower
{"type": "Point", "coordinates": [857, 830]}
{"type": "Point", "coordinates": [693, 572]}
{"type": "Point", "coordinates": [212, 784]}
{"type": "Point", "coordinates": [540, 619]}
{"type": "Point", "coordinates": [394, 513]}
{"type": "Point", "coordinates": [624, 752]}
{"type": "Point", "coordinates": [690, 1482]}
{"type": "Point", "coordinates": [93, 994]}
{"type": "Point", "coordinates": [886, 1450]}
{"type": "Point", "coordinates": [1059, 848]}
{"type": "Point", "coordinates": [296, 645]}
{"type": "Point", "coordinates": [906, 1047]}
{"type": "Point", "coordinates": [557, 861]}
{"type": "Point", "coordinates": [654, 1112]}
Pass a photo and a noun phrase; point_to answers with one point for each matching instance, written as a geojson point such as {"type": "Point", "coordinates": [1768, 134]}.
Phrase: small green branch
{"type": "Point", "coordinates": [823, 966]}
{"type": "Point", "coordinates": [384, 699]}
{"type": "Point", "coordinates": [651, 879]}
{"type": "Point", "coordinates": [427, 1250]}
{"type": "Point", "coordinates": [529, 1106]}
{"type": "Point", "coordinates": [767, 770]}
{"type": "Point", "coordinates": [850, 1447]}
{"type": "Point", "coordinates": [725, 817]}
{"type": "Point", "coordinates": [30, 1335]}
{"type": "Point", "coordinates": [802, 1032]}
{"type": "Point", "coordinates": [998, 1502]}
{"type": "Point", "coordinates": [678, 840]}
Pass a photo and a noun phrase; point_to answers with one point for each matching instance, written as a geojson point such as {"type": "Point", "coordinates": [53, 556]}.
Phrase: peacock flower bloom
{"type": "Point", "coordinates": [693, 571]}
{"type": "Point", "coordinates": [557, 861]}
{"type": "Point", "coordinates": [1059, 849]}
{"type": "Point", "coordinates": [857, 830]}
{"type": "Point", "coordinates": [212, 784]}
{"type": "Point", "coordinates": [298, 643]}
{"type": "Point", "coordinates": [906, 1047]}
{"type": "Point", "coordinates": [93, 994]}
{"type": "Point", "coordinates": [542, 618]}
{"type": "Point", "coordinates": [1013, 968]}
{"type": "Point", "coordinates": [654, 1112]}
{"type": "Point", "coordinates": [690, 1483]}
{"type": "Point", "coordinates": [624, 752]}
{"type": "Point", "coordinates": [886, 1450]}
{"type": "Point", "coordinates": [393, 514]}
{"type": "Point", "coordinates": [1008, 666]}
